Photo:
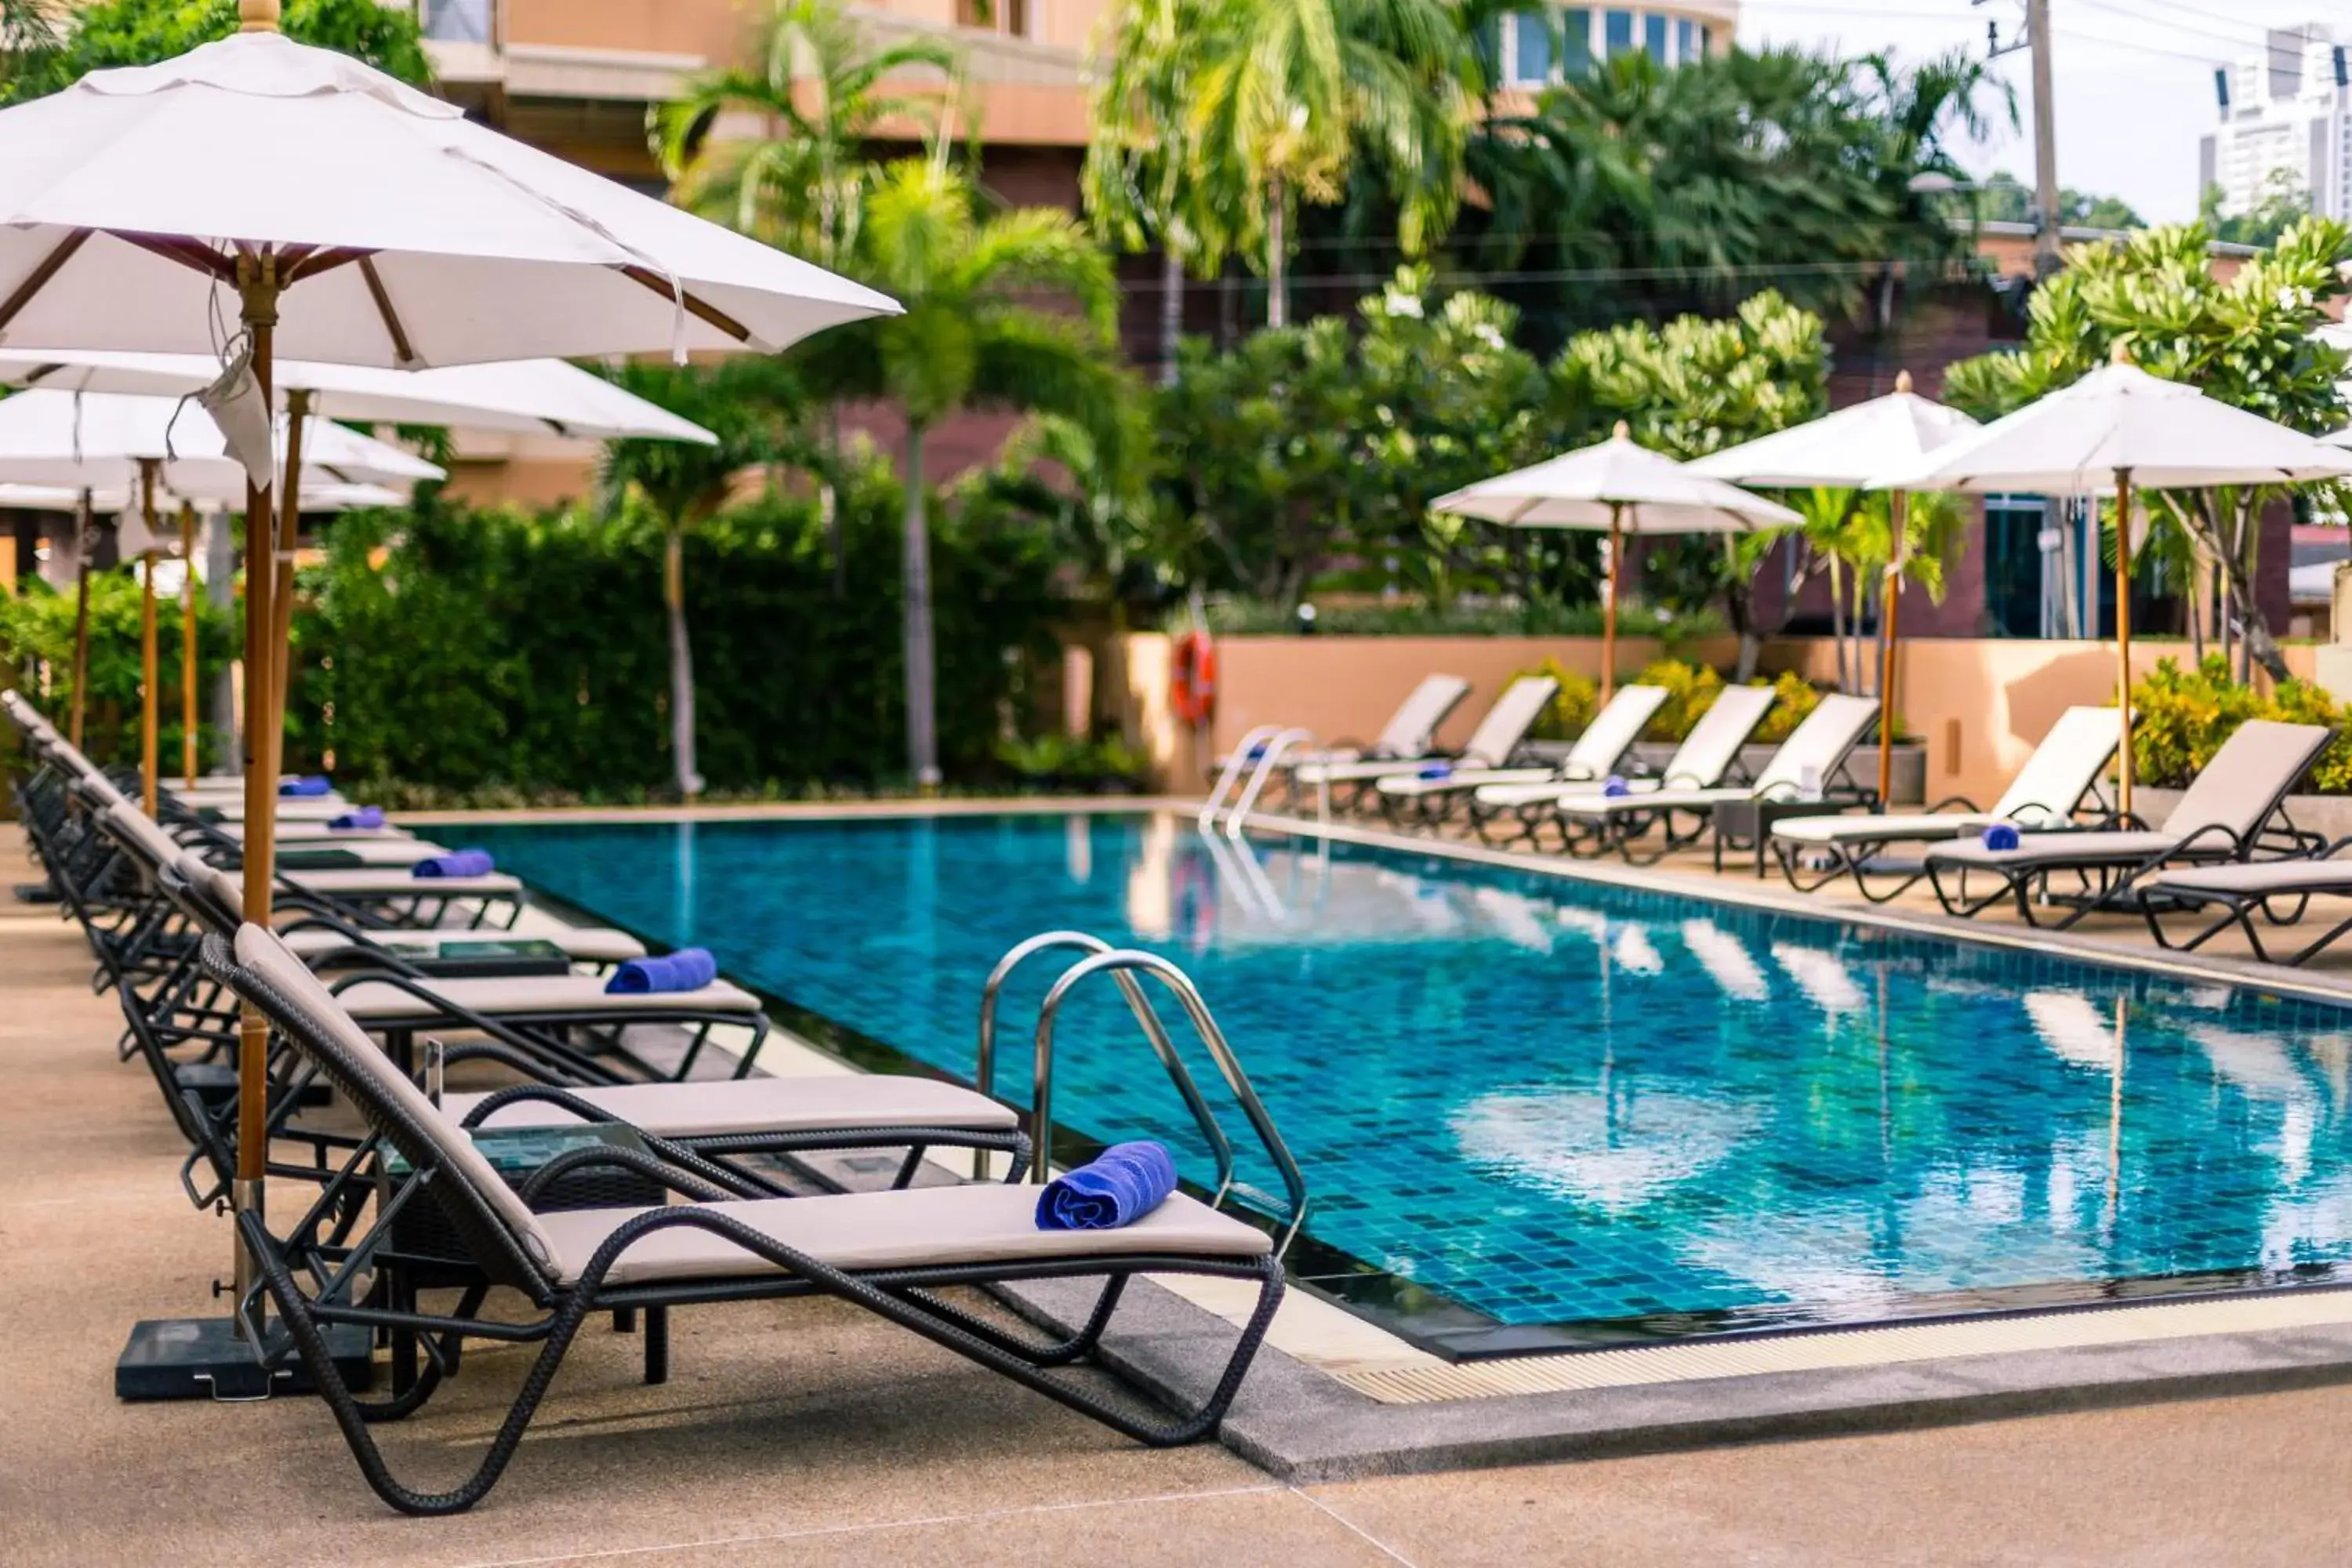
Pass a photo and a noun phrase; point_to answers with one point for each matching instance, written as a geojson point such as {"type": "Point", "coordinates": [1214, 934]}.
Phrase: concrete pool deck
{"type": "Point", "coordinates": [838, 1440]}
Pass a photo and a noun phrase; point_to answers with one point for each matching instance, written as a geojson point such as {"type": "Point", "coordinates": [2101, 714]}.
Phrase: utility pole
{"type": "Point", "coordinates": [2045, 142]}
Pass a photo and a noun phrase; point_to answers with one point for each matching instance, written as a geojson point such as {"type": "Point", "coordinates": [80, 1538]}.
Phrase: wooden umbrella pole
{"type": "Point", "coordinates": [2123, 637]}
{"type": "Point", "coordinates": [257, 287]}
{"type": "Point", "coordinates": [281, 593]}
{"type": "Point", "coordinates": [1608, 611]}
{"type": "Point", "coordinates": [188, 643]}
{"type": "Point", "coordinates": [150, 664]}
{"type": "Point", "coordinates": [1890, 609]}
{"type": "Point", "coordinates": [82, 530]}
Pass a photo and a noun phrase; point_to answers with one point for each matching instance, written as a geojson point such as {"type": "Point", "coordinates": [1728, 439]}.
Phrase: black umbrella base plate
{"type": "Point", "coordinates": [202, 1358]}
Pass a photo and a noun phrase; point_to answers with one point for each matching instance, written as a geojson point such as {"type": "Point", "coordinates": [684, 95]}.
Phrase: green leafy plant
{"type": "Point", "coordinates": [1072, 762]}
{"type": "Point", "coordinates": [1571, 709]}
{"type": "Point", "coordinates": [36, 637]}
{"type": "Point", "coordinates": [141, 32]}
{"type": "Point", "coordinates": [1691, 691]}
{"type": "Point", "coordinates": [2182, 715]}
{"type": "Point", "coordinates": [1793, 698]}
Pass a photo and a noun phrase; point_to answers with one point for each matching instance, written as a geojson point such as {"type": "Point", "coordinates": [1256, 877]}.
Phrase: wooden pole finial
{"type": "Point", "coordinates": [257, 15]}
{"type": "Point", "coordinates": [1901, 381]}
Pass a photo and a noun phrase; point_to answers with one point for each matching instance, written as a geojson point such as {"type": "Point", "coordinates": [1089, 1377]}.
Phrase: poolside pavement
{"type": "Point", "coordinates": [807, 1434]}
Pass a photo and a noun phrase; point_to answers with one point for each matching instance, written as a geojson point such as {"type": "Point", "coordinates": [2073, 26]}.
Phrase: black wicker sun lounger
{"type": "Point", "coordinates": [2279, 891]}
{"type": "Point", "coordinates": [887, 1252]}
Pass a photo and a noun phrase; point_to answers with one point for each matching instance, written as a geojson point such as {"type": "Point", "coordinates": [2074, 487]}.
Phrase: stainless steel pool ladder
{"type": "Point", "coordinates": [1261, 753]}
{"type": "Point", "coordinates": [1126, 966]}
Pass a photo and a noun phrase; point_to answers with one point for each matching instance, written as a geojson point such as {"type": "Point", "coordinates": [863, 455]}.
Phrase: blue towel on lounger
{"type": "Point", "coordinates": [2000, 836]}
{"type": "Point", "coordinates": [1437, 771]}
{"type": "Point", "coordinates": [456, 863]}
{"type": "Point", "coordinates": [688, 969]}
{"type": "Point", "coordinates": [1117, 1187]}
{"type": "Point", "coordinates": [1615, 787]}
{"type": "Point", "coordinates": [306, 784]}
{"type": "Point", "coordinates": [364, 817]}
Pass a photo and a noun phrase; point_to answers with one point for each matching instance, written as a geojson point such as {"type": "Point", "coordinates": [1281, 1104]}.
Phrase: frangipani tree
{"type": "Point", "coordinates": [977, 333]}
{"type": "Point", "coordinates": [2247, 341]}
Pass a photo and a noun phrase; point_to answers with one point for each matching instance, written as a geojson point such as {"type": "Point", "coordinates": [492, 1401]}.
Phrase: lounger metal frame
{"type": "Point", "coordinates": [2101, 885]}
{"type": "Point", "coordinates": [2239, 908]}
{"type": "Point", "coordinates": [902, 1296]}
{"type": "Point", "coordinates": [1855, 857]}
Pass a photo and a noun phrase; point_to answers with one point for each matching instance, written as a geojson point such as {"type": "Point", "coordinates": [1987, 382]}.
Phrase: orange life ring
{"type": "Point", "coordinates": [1192, 679]}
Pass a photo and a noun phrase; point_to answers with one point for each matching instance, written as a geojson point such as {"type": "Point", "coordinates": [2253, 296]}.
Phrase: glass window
{"type": "Point", "coordinates": [1531, 51]}
{"type": "Point", "coordinates": [1618, 25]}
{"type": "Point", "coordinates": [1686, 41]}
{"type": "Point", "coordinates": [457, 21]}
{"type": "Point", "coordinates": [1576, 55]}
{"type": "Point", "coordinates": [1654, 36]}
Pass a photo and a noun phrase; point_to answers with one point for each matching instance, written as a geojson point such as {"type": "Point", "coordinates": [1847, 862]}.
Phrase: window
{"type": "Point", "coordinates": [1619, 28]}
{"type": "Point", "coordinates": [1531, 49]}
{"type": "Point", "coordinates": [1706, 40]}
{"type": "Point", "coordinates": [1576, 55]}
{"type": "Point", "coordinates": [1654, 36]}
{"type": "Point", "coordinates": [994, 16]}
{"type": "Point", "coordinates": [457, 21]}
{"type": "Point", "coordinates": [1686, 41]}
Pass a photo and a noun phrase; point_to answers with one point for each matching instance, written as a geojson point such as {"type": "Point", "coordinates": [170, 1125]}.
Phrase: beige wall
{"type": "Point", "coordinates": [1980, 706]}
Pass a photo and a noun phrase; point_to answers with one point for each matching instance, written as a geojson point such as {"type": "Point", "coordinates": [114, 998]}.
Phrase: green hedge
{"type": "Point", "coordinates": [36, 630]}
{"type": "Point", "coordinates": [487, 652]}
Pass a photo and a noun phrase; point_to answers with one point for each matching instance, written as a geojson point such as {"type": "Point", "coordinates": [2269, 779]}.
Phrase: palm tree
{"type": "Point", "coordinates": [970, 338]}
{"type": "Point", "coordinates": [1142, 182]}
{"type": "Point", "coordinates": [684, 483]}
{"type": "Point", "coordinates": [1301, 89]}
{"type": "Point", "coordinates": [823, 96]}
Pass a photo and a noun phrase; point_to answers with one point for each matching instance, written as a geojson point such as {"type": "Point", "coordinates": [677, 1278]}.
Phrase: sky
{"type": "Point", "coordinates": [2134, 78]}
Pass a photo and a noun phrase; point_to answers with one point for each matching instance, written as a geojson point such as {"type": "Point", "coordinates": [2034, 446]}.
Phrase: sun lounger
{"type": "Point", "coordinates": [2047, 792]}
{"type": "Point", "coordinates": [1493, 744]}
{"type": "Point", "coordinates": [2279, 891]}
{"type": "Point", "coordinates": [2226, 815]}
{"type": "Point", "coordinates": [1707, 756]}
{"type": "Point", "coordinates": [1431, 794]}
{"type": "Point", "coordinates": [1814, 753]}
{"type": "Point", "coordinates": [887, 1252]}
{"type": "Point", "coordinates": [1410, 732]}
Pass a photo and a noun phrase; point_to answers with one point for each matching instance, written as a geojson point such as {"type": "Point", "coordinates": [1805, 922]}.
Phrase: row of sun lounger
{"type": "Point", "coordinates": [2050, 847]}
{"type": "Point", "coordinates": [728, 1197]}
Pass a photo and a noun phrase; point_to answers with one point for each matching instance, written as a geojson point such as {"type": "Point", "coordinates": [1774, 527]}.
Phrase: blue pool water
{"type": "Point", "coordinates": [1525, 1101]}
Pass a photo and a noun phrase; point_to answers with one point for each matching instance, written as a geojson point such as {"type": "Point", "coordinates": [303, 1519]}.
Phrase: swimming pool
{"type": "Point", "coordinates": [1536, 1111]}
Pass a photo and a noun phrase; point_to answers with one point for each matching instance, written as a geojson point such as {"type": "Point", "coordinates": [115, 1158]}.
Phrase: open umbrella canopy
{"type": "Point", "coordinates": [402, 232]}
{"type": "Point", "coordinates": [537, 396]}
{"type": "Point", "coordinates": [1614, 485]}
{"type": "Point", "coordinates": [97, 440]}
{"type": "Point", "coordinates": [1845, 449]}
{"type": "Point", "coordinates": [2120, 419]}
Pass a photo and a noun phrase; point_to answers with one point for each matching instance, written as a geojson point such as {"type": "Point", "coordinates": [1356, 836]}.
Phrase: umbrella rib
{"type": "Point", "coordinates": [402, 350]}
{"type": "Point", "coordinates": [319, 261]}
{"type": "Point", "coordinates": [646, 277]}
{"type": "Point", "coordinates": [188, 253]}
{"type": "Point", "coordinates": [41, 276]}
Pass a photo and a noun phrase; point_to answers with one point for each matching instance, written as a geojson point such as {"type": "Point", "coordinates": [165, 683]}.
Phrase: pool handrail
{"type": "Point", "coordinates": [1248, 750]}
{"type": "Point", "coordinates": [1271, 760]}
{"type": "Point", "coordinates": [1147, 1018]}
{"type": "Point", "coordinates": [1124, 963]}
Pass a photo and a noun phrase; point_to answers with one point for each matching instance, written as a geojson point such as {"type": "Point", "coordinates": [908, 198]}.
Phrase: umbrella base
{"type": "Point", "coordinates": [202, 1358]}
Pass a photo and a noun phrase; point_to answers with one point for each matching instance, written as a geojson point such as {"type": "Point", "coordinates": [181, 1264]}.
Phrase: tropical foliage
{"type": "Point", "coordinates": [2181, 716]}
{"type": "Point", "coordinates": [37, 630]}
{"type": "Point", "coordinates": [43, 57]}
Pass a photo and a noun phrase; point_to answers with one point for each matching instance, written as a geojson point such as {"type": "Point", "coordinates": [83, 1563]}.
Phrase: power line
{"type": "Point", "coordinates": [2125, 11]}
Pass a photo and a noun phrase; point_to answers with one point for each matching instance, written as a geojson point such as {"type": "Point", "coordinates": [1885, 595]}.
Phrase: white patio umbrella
{"type": "Point", "coordinates": [141, 446]}
{"type": "Point", "coordinates": [1620, 486]}
{"type": "Point", "coordinates": [2123, 427]}
{"type": "Point", "coordinates": [1846, 450]}
{"type": "Point", "coordinates": [355, 220]}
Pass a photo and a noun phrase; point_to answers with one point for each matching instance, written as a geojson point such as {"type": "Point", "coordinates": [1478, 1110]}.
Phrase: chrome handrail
{"type": "Point", "coordinates": [1127, 963]}
{"type": "Point", "coordinates": [1147, 1018]}
{"type": "Point", "coordinates": [1246, 750]}
{"type": "Point", "coordinates": [1272, 759]}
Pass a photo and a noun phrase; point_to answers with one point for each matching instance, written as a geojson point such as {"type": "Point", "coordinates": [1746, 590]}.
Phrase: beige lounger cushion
{"type": "Point", "coordinates": [2253, 877]}
{"type": "Point", "coordinates": [986, 1222]}
{"type": "Point", "coordinates": [397, 854]}
{"type": "Point", "coordinates": [764, 1105]}
{"type": "Point", "coordinates": [1599, 805]}
{"type": "Point", "coordinates": [1894, 825]}
{"type": "Point", "coordinates": [588, 944]}
{"type": "Point", "coordinates": [374, 1000]}
{"type": "Point", "coordinates": [371, 883]}
{"type": "Point", "coordinates": [1363, 771]}
{"type": "Point", "coordinates": [1469, 778]}
{"type": "Point", "coordinates": [2065, 849]}
{"type": "Point", "coordinates": [292, 808]}
{"type": "Point", "coordinates": [1556, 790]}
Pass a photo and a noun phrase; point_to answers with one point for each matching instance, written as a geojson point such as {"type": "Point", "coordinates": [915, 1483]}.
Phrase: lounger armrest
{"type": "Point", "coordinates": [1960, 801]}
{"type": "Point", "coordinates": [466, 1017]}
{"type": "Point", "coordinates": [673, 1174]}
{"type": "Point", "coordinates": [2335, 848]}
{"type": "Point", "coordinates": [491, 1051]}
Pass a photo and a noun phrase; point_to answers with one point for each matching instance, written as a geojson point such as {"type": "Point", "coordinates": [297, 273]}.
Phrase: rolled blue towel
{"type": "Point", "coordinates": [306, 784]}
{"type": "Point", "coordinates": [1615, 787]}
{"type": "Point", "coordinates": [1117, 1187]}
{"type": "Point", "coordinates": [2000, 836]}
{"type": "Point", "coordinates": [688, 969]}
{"type": "Point", "coordinates": [456, 863]}
{"type": "Point", "coordinates": [365, 816]}
{"type": "Point", "coordinates": [1438, 771]}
